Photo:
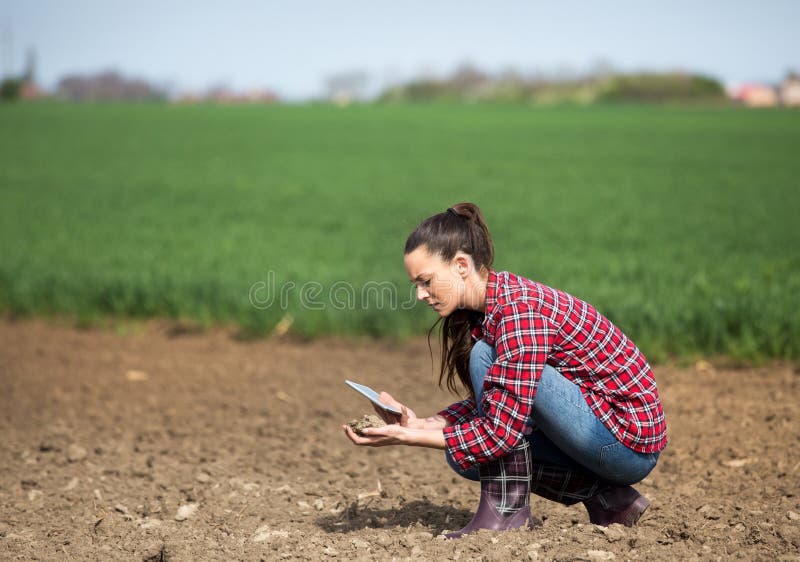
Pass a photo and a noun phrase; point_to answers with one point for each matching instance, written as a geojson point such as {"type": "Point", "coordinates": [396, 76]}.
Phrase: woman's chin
{"type": "Point", "coordinates": [441, 310]}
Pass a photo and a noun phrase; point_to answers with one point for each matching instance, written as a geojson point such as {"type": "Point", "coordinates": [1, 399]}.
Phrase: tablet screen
{"type": "Point", "coordinates": [372, 396]}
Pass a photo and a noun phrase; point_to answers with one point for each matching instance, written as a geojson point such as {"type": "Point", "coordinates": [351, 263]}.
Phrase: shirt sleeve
{"type": "Point", "coordinates": [460, 412]}
{"type": "Point", "coordinates": [523, 340]}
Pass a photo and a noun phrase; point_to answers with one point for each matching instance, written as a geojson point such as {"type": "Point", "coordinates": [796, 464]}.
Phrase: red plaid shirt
{"type": "Point", "coordinates": [531, 325]}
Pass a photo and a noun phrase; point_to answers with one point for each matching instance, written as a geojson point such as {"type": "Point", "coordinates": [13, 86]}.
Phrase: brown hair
{"type": "Point", "coordinates": [460, 228]}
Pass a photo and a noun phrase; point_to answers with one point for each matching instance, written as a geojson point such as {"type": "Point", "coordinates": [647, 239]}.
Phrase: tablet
{"type": "Point", "coordinates": [372, 396]}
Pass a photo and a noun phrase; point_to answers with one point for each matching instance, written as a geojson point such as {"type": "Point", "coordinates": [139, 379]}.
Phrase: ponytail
{"type": "Point", "coordinates": [461, 228]}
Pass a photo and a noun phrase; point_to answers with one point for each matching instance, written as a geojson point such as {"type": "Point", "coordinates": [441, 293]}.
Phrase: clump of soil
{"type": "Point", "coordinates": [367, 420]}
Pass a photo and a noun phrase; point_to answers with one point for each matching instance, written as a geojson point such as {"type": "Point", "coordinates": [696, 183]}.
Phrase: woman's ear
{"type": "Point", "coordinates": [463, 265]}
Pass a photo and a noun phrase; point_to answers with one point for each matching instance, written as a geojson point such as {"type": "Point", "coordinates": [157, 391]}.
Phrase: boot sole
{"type": "Point", "coordinates": [527, 524]}
{"type": "Point", "coordinates": [628, 516]}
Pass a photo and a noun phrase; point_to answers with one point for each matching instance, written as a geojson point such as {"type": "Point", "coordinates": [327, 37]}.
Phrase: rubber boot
{"type": "Point", "coordinates": [616, 504]}
{"type": "Point", "coordinates": [505, 494]}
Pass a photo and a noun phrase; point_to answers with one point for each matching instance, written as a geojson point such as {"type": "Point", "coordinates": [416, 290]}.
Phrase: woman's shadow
{"type": "Point", "coordinates": [436, 518]}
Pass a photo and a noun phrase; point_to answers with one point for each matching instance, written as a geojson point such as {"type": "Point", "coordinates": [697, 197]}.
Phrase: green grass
{"type": "Point", "coordinates": [681, 225]}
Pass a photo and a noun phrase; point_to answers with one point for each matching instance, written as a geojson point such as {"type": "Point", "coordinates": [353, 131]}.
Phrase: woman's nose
{"type": "Point", "coordinates": [422, 294]}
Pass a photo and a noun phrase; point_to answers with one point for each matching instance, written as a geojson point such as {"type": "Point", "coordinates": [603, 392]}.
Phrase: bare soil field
{"type": "Point", "coordinates": [161, 445]}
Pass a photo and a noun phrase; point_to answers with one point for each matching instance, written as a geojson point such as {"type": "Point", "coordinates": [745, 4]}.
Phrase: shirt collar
{"type": "Point", "coordinates": [491, 291]}
{"type": "Point", "coordinates": [484, 329]}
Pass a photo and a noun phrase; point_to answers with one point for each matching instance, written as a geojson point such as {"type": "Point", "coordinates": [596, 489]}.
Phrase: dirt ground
{"type": "Point", "coordinates": [155, 444]}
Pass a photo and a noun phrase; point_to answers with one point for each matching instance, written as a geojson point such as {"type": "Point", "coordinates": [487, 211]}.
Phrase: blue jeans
{"type": "Point", "coordinates": [569, 434]}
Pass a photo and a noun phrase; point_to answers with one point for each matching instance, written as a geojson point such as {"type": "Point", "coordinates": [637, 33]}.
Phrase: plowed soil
{"type": "Point", "coordinates": [156, 444]}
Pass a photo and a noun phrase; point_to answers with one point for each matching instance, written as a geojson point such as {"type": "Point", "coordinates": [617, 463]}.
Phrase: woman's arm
{"type": "Point", "coordinates": [523, 340]}
{"type": "Point", "coordinates": [395, 434]}
{"type": "Point", "coordinates": [434, 422]}
{"type": "Point", "coordinates": [403, 429]}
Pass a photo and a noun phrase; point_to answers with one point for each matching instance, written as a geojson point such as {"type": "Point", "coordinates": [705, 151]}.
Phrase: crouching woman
{"type": "Point", "coordinates": [561, 403]}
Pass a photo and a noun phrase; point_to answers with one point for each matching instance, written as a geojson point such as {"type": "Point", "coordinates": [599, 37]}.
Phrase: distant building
{"type": "Point", "coordinates": [107, 86]}
{"type": "Point", "coordinates": [30, 91]}
{"type": "Point", "coordinates": [790, 91]}
{"type": "Point", "coordinates": [756, 95]}
{"type": "Point", "coordinates": [228, 97]}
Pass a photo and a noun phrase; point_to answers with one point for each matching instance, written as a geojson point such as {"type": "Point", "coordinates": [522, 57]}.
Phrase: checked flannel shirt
{"type": "Point", "coordinates": [530, 325]}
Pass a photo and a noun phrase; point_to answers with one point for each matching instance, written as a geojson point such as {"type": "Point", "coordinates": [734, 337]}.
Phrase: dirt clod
{"type": "Point", "coordinates": [613, 532]}
{"type": "Point", "coordinates": [265, 534]}
{"type": "Point", "coordinates": [75, 453]}
{"type": "Point", "coordinates": [600, 555]}
{"type": "Point", "coordinates": [367, 420]}
{"type": "Point", "coordinates": [186, 511]}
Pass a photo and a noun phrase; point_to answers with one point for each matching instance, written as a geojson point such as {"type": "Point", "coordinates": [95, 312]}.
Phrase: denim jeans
{"type": "Point", "coordinates": [568, 432]}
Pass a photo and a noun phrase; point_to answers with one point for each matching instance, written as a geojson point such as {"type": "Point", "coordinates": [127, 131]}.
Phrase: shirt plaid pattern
{"type": "Point", "coordinates": [561, 484]}
{"type": "Point", "coordinates": [530, 325]}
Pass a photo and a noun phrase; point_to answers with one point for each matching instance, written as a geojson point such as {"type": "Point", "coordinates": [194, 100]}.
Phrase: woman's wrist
{"type": "Point", "coordinates": [434, 422]}
{"type": "Point", "coordinates": [432, 438]}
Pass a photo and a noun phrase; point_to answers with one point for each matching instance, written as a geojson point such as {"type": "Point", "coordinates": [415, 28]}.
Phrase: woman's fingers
{"type": "Point", "coordinates": [373, 436]}
{"type": "Point", "coordinates": [387, 398]}
{"type": "Point", "coordinates": [404, 416]}
{"type": "Point", "coordinates": [386, 416]}
{"type": "Point", "coordinates": [354, 437]}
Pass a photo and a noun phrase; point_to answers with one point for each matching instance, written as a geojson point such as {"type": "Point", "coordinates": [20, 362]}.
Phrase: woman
{"type": "Point", "coordinates": [562, 404]}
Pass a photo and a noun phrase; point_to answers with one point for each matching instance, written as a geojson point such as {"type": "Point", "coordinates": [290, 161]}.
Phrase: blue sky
{"type": "Point", "coordinates": [292, 46]}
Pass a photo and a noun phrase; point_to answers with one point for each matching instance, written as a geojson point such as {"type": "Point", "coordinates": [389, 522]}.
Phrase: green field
{"type": "Point", "coordinates": [681, 225]}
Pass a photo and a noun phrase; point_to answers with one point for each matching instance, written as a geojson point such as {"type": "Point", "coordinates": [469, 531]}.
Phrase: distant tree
{"type": "Point", "coordinates": [667, 87]}
{"type": "Point", "coordinates": [10, 89]}
{"type": "Point", "coordinates": [468, 77]}
{"type": "Point", "coordinates": [563, 86]}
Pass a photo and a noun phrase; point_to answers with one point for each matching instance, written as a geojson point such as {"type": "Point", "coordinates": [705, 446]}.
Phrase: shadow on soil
{"type": "Point", "coordinates": [436, 518]}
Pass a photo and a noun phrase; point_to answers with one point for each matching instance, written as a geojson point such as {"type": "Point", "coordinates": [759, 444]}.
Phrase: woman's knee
{"type": "Point", "coordinates": [469, 474]}
{"type": "Point", "coordinates": [480, 359]}
{"type": "Point", "coordinates": [621, 465]}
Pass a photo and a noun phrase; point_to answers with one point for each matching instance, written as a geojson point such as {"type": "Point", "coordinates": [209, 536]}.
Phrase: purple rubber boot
{"type": "Point", "coordinates": [505, 494]}
{"type": "Point", "coordinates": [616, 504]}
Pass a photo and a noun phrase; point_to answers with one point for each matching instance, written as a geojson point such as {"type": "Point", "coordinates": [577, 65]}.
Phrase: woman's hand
{"type": "Point", "coordinates": [407, 417]}
{"type": "Point", "coordinates": [396, 434]}
{"type": "Point", "coordinates": [392, 434]}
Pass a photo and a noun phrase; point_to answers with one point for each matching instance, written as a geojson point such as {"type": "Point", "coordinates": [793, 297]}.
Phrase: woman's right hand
{"type": "Point", "coordinates": [407, 417]}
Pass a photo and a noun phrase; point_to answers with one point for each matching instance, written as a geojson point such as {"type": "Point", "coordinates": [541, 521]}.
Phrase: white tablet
{"type": "Point", "coordinates": [372, 395]}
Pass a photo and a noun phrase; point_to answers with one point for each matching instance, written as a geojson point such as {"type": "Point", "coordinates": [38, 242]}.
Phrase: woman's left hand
{"type": "Point", "coordinates": [396, 434]}
{"type": "Point", "coordinates": [393, 434]}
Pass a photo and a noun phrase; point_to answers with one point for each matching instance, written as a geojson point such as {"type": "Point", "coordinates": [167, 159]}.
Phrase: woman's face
{"type": "Point", "coordinates": [439, 283]}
